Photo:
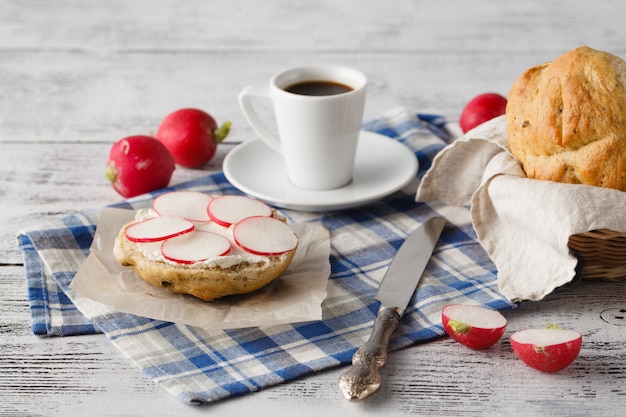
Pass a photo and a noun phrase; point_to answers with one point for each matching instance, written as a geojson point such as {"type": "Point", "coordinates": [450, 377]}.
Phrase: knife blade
{"type": "Point", "coordinates": [394, 294]}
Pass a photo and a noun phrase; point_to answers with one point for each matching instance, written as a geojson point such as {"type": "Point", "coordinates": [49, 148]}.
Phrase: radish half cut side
{"type": "Point", "coordinates": [547, 349]}
{"type": "Point", "coordinates": [156, 229]}
{"type": "Point", "coordinates": [192, 205]}
{"type": "Point", "coordinates": [473, 326]}
{"type": "Point", "coordinates": [230, 209]}
{"type": "Point", "coordinates": [196, 246]}
{"type": "Point", "coordinates": [265, 236]}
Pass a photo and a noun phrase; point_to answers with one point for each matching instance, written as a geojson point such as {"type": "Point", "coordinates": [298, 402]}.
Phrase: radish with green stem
{"type": "Point", "coordinates": [192, 136]}
{"type": "Point", "coordinates": [139, 164]}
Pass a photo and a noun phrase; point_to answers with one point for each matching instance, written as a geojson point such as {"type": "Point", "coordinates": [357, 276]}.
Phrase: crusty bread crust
{"type": "Point", "coordinates": [206, 283]}
{"type": "Point", "coordinates": [566, 120]}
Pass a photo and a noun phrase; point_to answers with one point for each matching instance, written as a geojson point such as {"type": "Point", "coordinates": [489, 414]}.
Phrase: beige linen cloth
{"type": "Point", "coordinates": [523, 224]}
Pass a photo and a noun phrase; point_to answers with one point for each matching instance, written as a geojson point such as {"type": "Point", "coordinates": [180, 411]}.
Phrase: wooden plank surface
{"type": "Point", "coordinates": [75, 76]}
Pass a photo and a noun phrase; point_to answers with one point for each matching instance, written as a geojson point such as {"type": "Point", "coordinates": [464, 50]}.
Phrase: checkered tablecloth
{"type": "Point", "coordinates": [198, 366]}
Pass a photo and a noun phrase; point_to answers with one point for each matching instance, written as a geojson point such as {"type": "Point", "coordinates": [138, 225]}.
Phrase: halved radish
{"type": "Point", "coordinates": [191, 205]}
{"type": "Point", "coordinates": [159, 228]}
{"type": "Point", "coordinates": [194, 247]}
{"type": "Point", "coordinates": [230, 209]}
{"type": "Point", "coordinates": [264, 236]}
{"type": "Point", "coordinates": [473, 326]}
{"type": "Point", "coordinates": [549, 350]}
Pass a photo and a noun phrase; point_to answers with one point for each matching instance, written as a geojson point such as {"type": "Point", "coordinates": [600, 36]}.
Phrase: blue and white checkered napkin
{"type": "Point", "coordinates": [198, 366]}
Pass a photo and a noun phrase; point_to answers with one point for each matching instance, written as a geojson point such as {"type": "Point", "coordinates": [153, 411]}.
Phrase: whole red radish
{"type": "Point", "coordinates": [481, 109]}
{"type": "Point", "coordinates": [191, 135]}
{"type": "Point", "coordinates": [473, 326]}
{"type": "Point", "coordinates": [548, 350]}
{"type": "Point", "coordinates": [139, 164]}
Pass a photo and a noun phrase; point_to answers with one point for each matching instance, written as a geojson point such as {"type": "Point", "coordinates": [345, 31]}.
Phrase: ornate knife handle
{"type": "Point", "coordinates": [363, 378]}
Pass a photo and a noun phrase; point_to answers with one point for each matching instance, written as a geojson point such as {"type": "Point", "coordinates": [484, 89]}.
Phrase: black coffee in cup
{"type": "Point", "coordinates": [318, 116]}
{"type": "Point", "coordinates": [318, 88]}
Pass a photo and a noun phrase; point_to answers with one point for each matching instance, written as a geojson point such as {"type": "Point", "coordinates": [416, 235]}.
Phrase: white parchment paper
{"type": "Point", "coordinates": [294, 297]}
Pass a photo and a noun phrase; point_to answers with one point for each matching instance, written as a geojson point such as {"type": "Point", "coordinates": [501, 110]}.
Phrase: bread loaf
{"type": "Point", "coordinates": [566, 120]}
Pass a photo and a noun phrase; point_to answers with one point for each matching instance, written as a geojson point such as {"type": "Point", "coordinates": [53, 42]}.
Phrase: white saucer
{"type": "Point", "coordinates": [382, 166]}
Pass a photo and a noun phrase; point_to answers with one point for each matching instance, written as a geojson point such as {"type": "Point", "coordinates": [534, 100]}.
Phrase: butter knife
{"type": "Point", "coordinates": [396, 290]}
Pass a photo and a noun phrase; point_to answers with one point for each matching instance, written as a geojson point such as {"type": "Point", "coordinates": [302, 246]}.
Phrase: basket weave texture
{"type": "Point", "coordinates": [602, 254]}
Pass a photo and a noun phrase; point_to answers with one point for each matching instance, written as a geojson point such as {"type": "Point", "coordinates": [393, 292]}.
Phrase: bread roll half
{"type": "Point", "coordinates": [207, 282]}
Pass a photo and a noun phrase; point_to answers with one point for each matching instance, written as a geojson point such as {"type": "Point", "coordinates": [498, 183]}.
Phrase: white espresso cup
{"type": "Point", "coordinates": [319, 114]}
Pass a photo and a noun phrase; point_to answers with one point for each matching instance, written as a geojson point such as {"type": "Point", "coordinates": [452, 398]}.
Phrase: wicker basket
{"type": "Point", "coordinates": [602, 254]}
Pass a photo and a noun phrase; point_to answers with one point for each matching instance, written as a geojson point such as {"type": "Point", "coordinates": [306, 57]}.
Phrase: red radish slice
{"type": "Point", "coordinates": [196, 246]}
{"type": "Point", "coordinates": [155, 229]}
{"type": "Point", "coordinates": [548, 350]}
{"type": "Point", "coordinates": [473, 326]}
{"type": "Point", "coordinates": [192, 205]}
{"type": "Point", "coordinates": [265, 236]}
{"type": "Point", "coordinates": [230, 209]}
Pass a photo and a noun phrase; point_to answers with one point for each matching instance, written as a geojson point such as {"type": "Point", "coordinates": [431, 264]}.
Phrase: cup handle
{"type": "Point", "coordinates": [252, 116]}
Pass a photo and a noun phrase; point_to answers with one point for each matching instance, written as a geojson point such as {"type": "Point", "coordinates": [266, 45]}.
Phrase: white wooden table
{"type": "Point", "coordinates": [75, 76]}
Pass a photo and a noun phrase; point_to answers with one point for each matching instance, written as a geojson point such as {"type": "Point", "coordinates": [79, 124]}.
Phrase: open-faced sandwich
{"type": "Point", "coordinates": [207, 246]}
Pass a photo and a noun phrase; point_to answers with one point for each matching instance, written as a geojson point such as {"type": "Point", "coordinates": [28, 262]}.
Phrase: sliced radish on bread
{"type": "Point", "coordinates": [230, 209]}
{"type": "Point", "coordinates": [549, 349]}
{"type": "Point", "coordinates": [264, 236]}
{"type": "Point", "coordinates": [196, 246]}
{"type": "Point", "coordinates": [159, 228]}
{"type": "Point", "coordinates": [191, 205]}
